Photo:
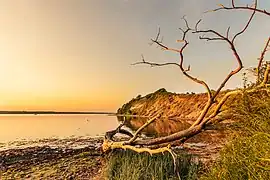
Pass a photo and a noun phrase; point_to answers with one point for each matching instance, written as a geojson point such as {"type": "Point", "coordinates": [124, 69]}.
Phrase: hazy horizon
{"type": "Point", "coordinates": [70, 55]}
{"type": "Point", "coordinates": [39, 112]}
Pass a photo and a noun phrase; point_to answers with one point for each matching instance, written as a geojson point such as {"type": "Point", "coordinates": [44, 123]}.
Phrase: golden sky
{"type": "Point", "coordinates": [76, 55]}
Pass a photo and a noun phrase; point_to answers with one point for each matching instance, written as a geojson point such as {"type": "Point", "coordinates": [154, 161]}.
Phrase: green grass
{"type": "Point", "coordinates": [247, 155]}
{"type": "Point", "coordinates": [123, 165]}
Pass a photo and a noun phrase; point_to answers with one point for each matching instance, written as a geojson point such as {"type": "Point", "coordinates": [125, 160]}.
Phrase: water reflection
{"type": "Point", "coordinates": [160, 127]}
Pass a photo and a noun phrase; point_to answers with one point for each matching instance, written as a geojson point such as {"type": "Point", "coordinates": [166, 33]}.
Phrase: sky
{"type": "Point", "coordinates": [69, 55]}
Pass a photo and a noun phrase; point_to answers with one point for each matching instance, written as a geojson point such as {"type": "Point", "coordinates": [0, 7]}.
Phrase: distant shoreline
{"type": "Point", "coordinates": [54, 112]}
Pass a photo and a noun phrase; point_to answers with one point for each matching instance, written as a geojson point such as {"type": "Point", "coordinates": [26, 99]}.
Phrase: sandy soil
{"type": "Point", "coordinates": [75, 158]}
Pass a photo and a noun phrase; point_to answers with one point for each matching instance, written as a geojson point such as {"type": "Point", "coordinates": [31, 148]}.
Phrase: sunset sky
{"type": "Point", "coordinates": [76, 55]}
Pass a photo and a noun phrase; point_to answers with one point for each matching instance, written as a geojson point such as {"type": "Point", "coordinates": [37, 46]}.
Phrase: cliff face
{"type": "Point", "coordinates": [166, 103]}
{"type": "Point", "coordinates": [178, 111]}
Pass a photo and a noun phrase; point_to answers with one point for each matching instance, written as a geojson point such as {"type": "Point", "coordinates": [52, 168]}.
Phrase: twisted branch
{"type": "Point", "coordinates": [233, 7]}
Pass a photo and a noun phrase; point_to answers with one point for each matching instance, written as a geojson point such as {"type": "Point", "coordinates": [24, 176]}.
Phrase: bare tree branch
{"type": "Point", "coordinates": [233, 7]}
{"type": "Point", "coordinates": [233, 3]}
{"type": "Point", "coordinates": [173, 137]}
{"type": "Point", "coordinates": [110, 134]}
{"type": "Point", "coordinates": [155, 64]}
{"type": "Point", "coordinates": [245, 28]}
{"type": "Point", "coordinates": [267, 45]}
{"type": "Point", "coordinates": [197, 24]}
{"type": "Point", "coordinates": [150, 121]}
{"type": "Point", "coordinates": [228, 31]}
{"type": "Point", "coordinates": [210, 38]}
{"type": "Point", "coordinates": [231, 44]}
{"type": "Point", "coordinates": [220, 36]}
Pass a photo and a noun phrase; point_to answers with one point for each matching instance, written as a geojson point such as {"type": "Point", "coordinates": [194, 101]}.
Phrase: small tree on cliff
{"type": "Point", "coordinates": [162, 144]}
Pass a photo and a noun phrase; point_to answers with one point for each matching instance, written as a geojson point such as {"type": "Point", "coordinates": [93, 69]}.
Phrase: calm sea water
{"type": "Point", "coordinates": [31, 127]}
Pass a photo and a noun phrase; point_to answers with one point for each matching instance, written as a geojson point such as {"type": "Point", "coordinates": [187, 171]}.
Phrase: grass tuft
{"type": "Point", "coordinates": [123, 165]}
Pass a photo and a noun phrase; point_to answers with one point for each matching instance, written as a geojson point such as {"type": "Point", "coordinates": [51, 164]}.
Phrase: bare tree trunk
{"type": "Point", "coordinates": [203, 119]}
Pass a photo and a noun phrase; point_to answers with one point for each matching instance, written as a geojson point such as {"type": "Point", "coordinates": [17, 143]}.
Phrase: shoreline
{"type": "Point", "coordinates": [73, 157]}
{"type": "Point", "coordinates": [73, 142]}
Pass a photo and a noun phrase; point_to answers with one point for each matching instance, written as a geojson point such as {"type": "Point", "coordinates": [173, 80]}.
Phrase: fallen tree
{"type": "Point", "coordinates": [163, 144]}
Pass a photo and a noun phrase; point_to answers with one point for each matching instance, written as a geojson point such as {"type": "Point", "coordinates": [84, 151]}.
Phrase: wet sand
{"type": "Point", "coordinates": [74, 158]}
